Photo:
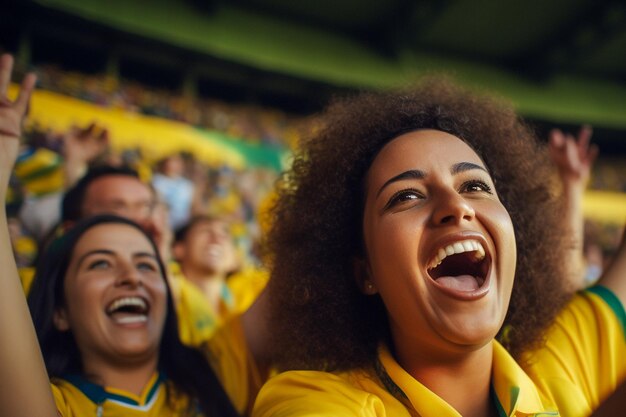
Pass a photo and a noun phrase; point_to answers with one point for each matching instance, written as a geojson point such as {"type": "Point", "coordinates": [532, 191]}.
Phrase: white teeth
{"type": "Point", "coordinates": [127, 301]}
{"type": "Point", "coordinates": [458, 247]}
{"type": "Point", "coordinates": [131, 319]}
{"type": "Point", "coordinates": [481, 252]}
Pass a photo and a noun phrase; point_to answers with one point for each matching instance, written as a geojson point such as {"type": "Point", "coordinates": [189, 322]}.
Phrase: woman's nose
{"type": "Point", "coordinates": [452, 208]}
{"type": "Point", "coordinates": [128, 275]}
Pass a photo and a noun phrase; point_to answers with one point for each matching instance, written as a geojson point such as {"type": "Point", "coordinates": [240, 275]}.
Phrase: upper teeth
{"type": "Point", "coordinates": [127, 301]}
{"type": "Point", "coordinates": [458, 247]}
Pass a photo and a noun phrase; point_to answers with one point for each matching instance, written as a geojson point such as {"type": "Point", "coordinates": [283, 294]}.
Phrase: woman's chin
{"type": "Point", "coordinates": [470, 336]}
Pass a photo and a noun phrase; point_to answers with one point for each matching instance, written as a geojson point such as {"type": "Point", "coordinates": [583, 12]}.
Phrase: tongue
{"type": "Point", "coordinates": [459, 283]}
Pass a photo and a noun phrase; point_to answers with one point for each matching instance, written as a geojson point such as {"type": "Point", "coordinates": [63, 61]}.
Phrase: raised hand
{"type": "Point", "coordinates": [80, 147]}
{"type": "Point", "coordinates": [11, 117]}
{"type": "Point", "coordinates": [85, 144]}
{"type": "Point", "coordinates": [573, 157]}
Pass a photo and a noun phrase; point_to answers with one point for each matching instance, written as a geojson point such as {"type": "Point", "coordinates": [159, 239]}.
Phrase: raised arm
{"type": "Point", "coordinates": [23, 372]}
{"type": "Point", "coordinates": [574, 158]}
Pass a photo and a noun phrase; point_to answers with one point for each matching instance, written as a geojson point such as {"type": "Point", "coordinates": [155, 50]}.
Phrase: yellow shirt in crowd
{"type": "Point", "coordinates": [227, 354]}
{"type": "Point", "coordinates": [197, 320]}
{"type": "Point", "coordinates": [234, 365]}
{"type": "Point", "coordinates": [77, 397]}
{"type": "Point", "coordinates": [222, 336]}
{"type": "Point", "coordinates": [583, 361]}
{"type": "Point", "coordinates": [246, 286]}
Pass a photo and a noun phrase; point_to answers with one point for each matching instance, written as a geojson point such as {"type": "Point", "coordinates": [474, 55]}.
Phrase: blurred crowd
{"type": "Point", "coordinates": [50, 162]}
{"type": "Point", "coordinates": [255, 124]}
{"type": "Point", "coordinates": [609, 174]}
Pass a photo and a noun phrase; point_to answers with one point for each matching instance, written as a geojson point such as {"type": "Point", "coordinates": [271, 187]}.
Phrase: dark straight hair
{"type": "Point", "coordinates": [186, 368]}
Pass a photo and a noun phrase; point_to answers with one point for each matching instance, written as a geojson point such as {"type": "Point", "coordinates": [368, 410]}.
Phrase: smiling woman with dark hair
{"type": "Point", "coordinates": [107, 328]}
{"type": "Point", "coordinates": [103, 313]}
{"type": "Point", "coordinates": [418, 251]}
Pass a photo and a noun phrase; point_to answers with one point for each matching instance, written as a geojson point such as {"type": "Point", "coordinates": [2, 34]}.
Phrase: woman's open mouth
{"type": "Point", "coordinates": [460, 267]}
{"type": "Point", "coordinates": [128, 310]}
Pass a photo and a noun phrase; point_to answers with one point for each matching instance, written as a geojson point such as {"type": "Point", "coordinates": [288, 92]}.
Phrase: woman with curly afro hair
{"type": "Point", "coordinates": [418, 269]}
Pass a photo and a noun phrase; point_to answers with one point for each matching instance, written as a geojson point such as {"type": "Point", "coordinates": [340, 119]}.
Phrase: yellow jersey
{"type": "Point", "coordinates": [228, 355]}
{"type": "Point", "coordinates": [584, 357]}
{"type": "Point", "coordinates": [77, 397]}
{"type": "Point", "coordinates": [246, 286]}
{"type": "Point", "coordinates": [234, 365]}
{"type": "Point", "coordinates": [583, 361]}
{"type": "Point", "coordinates": [197, 321]}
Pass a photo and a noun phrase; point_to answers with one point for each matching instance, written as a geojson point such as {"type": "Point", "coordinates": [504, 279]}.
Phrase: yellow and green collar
{"type": "Point", "coordinates": [514, 392]}
{"type": "Point", "coordinates": [99, 394]}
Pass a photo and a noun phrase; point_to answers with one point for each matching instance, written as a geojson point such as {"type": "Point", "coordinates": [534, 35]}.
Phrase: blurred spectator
{"type": "Point", "coordinates": [176, 190]}
{"type": "Point", "coordinates": [41, 178]}
{"type": "Point", "coordinates": [113, 190]}
{"type": "Point", "coordinates": [206, 253]}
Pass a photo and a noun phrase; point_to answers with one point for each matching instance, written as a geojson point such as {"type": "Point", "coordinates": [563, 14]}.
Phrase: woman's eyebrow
{"type": "Point", "coordinates": [415, 174]}
{"type": "Point", "coordinates": [144, 255]}
{"type": "Point", "coordinates": [465, 166]}
{"type": "Point", "coordinates": [93, 252]}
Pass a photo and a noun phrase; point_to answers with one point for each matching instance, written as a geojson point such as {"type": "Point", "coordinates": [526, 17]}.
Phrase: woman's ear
{"type": "Point", "coordinates": [362, 275]}
{"type": "Point", "coordinates": [59, 318]}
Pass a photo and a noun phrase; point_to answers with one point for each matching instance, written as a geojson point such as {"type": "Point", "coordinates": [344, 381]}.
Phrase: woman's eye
{"type": "Point", "coordinates": [100, 264]}
{"type": "Point", "coordinates": [403, 196]}
{"type": "Point", "coordinates": [476, 186]}
{"type": "Point", "coordinates": [146, 266]}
